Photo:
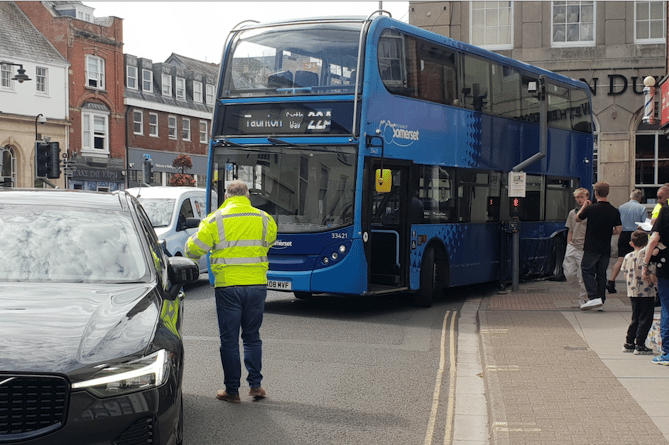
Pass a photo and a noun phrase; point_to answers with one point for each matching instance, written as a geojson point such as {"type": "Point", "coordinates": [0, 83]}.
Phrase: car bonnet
{"type": "Point", "coordinates": [61, 327]}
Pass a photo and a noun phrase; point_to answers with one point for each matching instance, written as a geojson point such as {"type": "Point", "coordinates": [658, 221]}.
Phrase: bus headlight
{"type": "Point", "coordinates": [144, 373]}
{"type": "Point", "coordinates": [334, 254]}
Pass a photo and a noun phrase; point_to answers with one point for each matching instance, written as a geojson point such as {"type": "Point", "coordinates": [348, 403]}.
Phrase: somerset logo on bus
{"type": "Point", "coordinates": [398, 134]}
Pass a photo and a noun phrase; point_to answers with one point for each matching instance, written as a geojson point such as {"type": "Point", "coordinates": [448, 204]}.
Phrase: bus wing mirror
{"type": "Point", "coordinates": [384, 181]}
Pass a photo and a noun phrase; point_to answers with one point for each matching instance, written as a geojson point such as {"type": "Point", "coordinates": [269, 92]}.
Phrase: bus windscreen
{"type": "Point", "coordinates": [304, 189]}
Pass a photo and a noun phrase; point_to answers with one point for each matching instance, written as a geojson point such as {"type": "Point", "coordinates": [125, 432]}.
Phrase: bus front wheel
{"type": "Point", "coordinates": [432, 279]}
{"type": "Point", "coordinates": [303, 295]}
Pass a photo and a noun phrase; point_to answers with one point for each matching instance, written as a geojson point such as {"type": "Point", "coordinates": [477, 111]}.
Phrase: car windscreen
{"type": "Point", "coordinates": [160, 211]}
{"type": "Point", "coordinates": [69, 245]}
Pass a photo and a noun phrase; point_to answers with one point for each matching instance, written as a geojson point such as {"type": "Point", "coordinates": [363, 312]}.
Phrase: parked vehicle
{"type": "Point", "coordinates": [90, 328]}
{"type": "Point", "coordinates": [173, 211]}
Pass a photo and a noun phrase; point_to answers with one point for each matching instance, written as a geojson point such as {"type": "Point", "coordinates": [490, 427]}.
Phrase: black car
{"type": "Point", "coordinates": [90, 322]}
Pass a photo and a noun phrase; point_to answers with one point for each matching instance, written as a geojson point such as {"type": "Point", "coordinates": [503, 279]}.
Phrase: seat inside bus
{"type": "Point", "coordinates": [305, 79]}
{"type": "Point", "coordinates": [282, 79]}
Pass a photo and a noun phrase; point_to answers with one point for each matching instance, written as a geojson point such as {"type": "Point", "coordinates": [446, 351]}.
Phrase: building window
{"type": "Point", "coordinates": [95, 134]}
{"type": "Point", "coordinates": [210, 94]}
{"type": "Point", "coordinates": [167, 85]}
{"type": "Point", "coordinates": [203, 132]}
{"type": "Point", "coordinates": [197, 91]}
{"type": "Point", "coordinates": [153, 124]}
{"type": "Point", "coordinates": [131, 77]}
{"type": "Point", "coordinates": [652, 161]}
{"type": "Point", "coordinates": [6, 77]}
{"type": "Point", "coordinates": [172, 127]}
{"type": "Point", "coordinates": [42, 80]}
{"type": "Point", "coordinates": [573, 23]}
{"type": "Point", "coordinates": [85, 16]}
{"type": "Point", "coordinates": [491, 25]}
{"type": "Point", "coordinates": [95, 72]}
{"type": "Point", "coordinates": [185, 129]}
{"type": "Point", "coordinates": [147, 81]}
{"type": "Point", "coordinates": [649, 22]}
{"type": "Point", "coordinates": [138, 122]}
{"type": "Point", "coordinates": [181, 88]}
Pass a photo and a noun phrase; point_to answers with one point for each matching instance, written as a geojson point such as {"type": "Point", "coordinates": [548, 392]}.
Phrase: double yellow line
{"type": "Point", "coordinates": [449, 320]}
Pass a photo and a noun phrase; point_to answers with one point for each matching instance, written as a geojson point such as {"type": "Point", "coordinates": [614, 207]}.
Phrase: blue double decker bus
{"type": "Point", "coordinates": [387, 155]}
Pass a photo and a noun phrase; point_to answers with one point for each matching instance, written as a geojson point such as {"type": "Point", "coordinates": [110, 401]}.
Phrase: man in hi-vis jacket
{"type": "Point", "coordinates": [238, 237]}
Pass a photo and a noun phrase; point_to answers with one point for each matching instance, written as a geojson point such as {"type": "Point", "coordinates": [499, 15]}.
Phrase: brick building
{"type": "Point", "coordinates": [94, 48]}
{"type": "Point", "coordinates": [611, 45]}
{"type": "Point", "coordinates": [169, 110]}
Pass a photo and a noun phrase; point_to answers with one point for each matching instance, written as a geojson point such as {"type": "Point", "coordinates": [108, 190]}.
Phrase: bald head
{"type": "Point", "coordinates": [663, 194]}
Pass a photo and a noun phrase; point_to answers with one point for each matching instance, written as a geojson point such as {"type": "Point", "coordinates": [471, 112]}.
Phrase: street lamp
{"type": "Point", "coordinates": [40, 119]}
{"type": "Point", "coordinates": [21, 75]}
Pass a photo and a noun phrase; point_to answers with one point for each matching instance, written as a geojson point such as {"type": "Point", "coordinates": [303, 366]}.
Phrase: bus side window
{"type": "Point", "coordinates": [437, 194]}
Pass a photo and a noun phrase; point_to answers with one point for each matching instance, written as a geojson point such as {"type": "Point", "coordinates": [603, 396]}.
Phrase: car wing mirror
{"type": "Point", "coordinates": [192, 223]}
{"type": "Point", "coordinates": [181, 271]}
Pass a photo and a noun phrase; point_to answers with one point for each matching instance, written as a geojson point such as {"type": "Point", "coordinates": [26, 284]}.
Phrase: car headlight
{"type": "Point", "coordinates": [137, 375]}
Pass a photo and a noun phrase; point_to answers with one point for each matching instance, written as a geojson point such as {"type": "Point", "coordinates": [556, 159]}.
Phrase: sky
{"type": "Point", "coordinates": [154, 30]}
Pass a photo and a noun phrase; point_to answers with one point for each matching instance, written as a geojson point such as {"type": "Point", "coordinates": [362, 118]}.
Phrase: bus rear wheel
{"type": "Point", "coordinates": [432, 279]}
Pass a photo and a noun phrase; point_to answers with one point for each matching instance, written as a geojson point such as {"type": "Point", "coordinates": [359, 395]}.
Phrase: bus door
{"type": "Point", "coordinates": [389, 230]}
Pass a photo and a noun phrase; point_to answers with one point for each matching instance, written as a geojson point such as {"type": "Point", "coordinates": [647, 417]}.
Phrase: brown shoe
{"type": "Point", "coordinates": [257, 393]}
{"type": "Point", "coordinates": [222, 395]}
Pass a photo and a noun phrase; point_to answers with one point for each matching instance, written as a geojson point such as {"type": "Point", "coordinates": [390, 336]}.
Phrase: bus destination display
{"type": "Point", "coordinates": [281, 119]}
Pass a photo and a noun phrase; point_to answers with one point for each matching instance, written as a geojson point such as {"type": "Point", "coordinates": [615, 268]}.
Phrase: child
{"type": "Point", "coordinates": [642, 296]}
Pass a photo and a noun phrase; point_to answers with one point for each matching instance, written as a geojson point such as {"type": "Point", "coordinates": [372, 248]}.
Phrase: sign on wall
{"type": "Point", "coordinates": [664, 103]}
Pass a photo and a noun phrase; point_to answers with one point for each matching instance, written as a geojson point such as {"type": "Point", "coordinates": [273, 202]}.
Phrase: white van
{"type": "Point", "coordinates": [169, 208]}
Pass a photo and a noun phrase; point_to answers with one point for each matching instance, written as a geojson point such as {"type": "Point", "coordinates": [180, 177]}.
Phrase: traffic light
{"type": "Point", "coordinates": [42, 159]}
{"type": "Point", "coordinates": [54, 166]}
{"type": "Point", "coordinates": [147, 165]}
{"type": "Point", "coordinates": [47, 160]}
{"type": "Point", "coordinates": [516, 207]}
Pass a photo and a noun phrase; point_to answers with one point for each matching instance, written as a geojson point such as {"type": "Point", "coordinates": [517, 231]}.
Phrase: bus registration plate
{"type": "Point", "coordinates": [281, 285]}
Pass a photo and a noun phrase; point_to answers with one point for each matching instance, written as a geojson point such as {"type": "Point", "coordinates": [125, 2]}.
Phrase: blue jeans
{"type": "Point", "coordinates": [663, 290]}
{"type": "Point", "coordinates": [240, 307]}
{"type": "Point", "coordinates": [593, 269]}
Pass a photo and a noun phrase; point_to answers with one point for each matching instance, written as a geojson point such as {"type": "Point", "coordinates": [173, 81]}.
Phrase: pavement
{"type": "Point", "coordinates": [532, 368]}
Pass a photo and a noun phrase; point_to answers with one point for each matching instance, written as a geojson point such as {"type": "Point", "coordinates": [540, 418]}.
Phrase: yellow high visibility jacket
{"type": "Point", "coordinates": [238, 236]}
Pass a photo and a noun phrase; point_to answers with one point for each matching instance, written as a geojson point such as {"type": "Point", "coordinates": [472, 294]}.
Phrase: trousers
{"type": "Point", "coordinates": [643, 310]}
{"type": "Point", "coordinates": [593, 268]}
{"type": "Point", "coordinates": [572, 270]}
{"type": "Point", "coordinates": [240, 308]}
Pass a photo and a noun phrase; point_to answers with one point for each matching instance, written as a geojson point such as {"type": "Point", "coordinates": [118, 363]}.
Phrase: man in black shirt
{"type": "Point", "coordinates": [603, 222]}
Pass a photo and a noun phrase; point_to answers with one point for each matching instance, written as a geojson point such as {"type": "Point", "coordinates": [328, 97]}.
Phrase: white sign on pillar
{"type": "Point", "coordinates": [517, 184]}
